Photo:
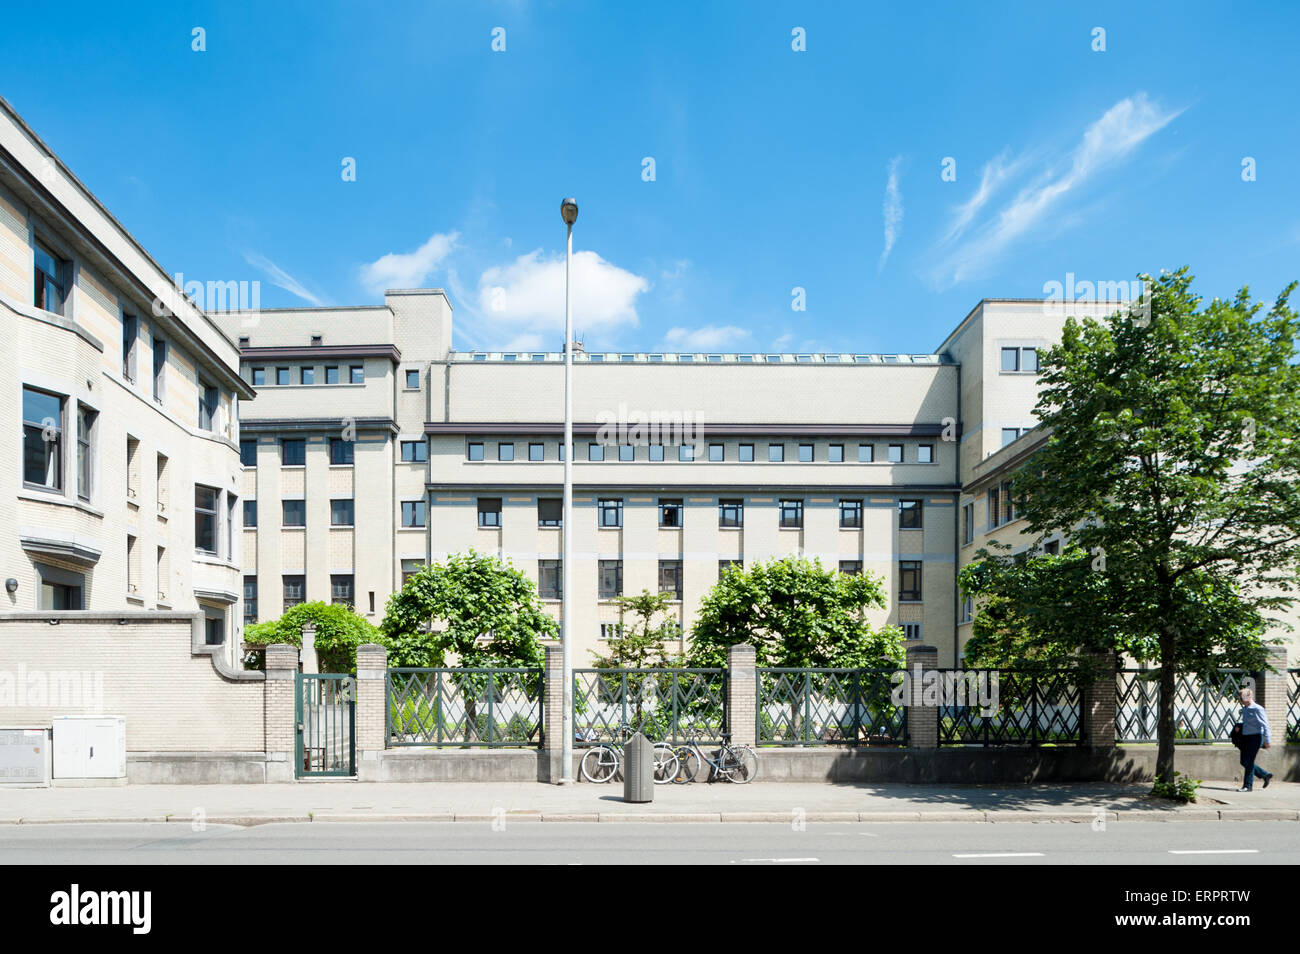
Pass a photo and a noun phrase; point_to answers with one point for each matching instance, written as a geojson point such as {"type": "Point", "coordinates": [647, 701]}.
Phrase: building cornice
{"type": "Point", "coordinates": [304, 424]}
{"type": "Point", "coordinates": [528, 428]}
{"type": "Point", "coordinates": [298, 352]}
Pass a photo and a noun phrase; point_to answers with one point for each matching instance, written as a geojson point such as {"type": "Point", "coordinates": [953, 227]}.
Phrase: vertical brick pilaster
{"type": "Point", "coordinates": [742, 694]}
{"type": "Point", "coordinates": [1098, 705]}
{"type": "Point", "coordinates": [371, 709]}
{"type": "Point", "coordinates": [1271, 693]}
{"type": "Point", "coordinates": [922, 721]}
{"type": "Point", "coordinates": [552, 717]}
{"type": "Point", "coordinates": [279, 697]}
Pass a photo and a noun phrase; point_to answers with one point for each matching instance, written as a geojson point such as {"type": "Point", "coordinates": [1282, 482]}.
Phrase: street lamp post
{"type": "Point", "coordinates": [568, 212]}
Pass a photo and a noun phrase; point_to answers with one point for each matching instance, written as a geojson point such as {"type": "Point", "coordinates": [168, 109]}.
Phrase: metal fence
{"type": "Point", "coordinates": [492, 708]}
{"type": "Point", "coordinates": [1293, 705]}
{"type": "Point", "coordinates": [667, 705]}
{"type": "Point", "coordinates": [1007, 707]}
{"type": "Point", "coordinates": [829, 707]}
{"type": "Point", "coordinates": [1204, 710]}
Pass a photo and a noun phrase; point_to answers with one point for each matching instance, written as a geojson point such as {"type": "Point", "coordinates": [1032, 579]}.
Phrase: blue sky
{"type": "Point", "coordinates": [775, 169]}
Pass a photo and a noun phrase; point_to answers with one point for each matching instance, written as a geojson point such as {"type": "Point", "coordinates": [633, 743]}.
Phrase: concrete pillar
{"type": "Point", "coordinates": [308, 656]}
{"type": "Point", "coordinates": [278, 711]}
{"type": "Point", "coordinates": [1271, 693]}
{"type": "Point", "coordinates": [922, 721]}
{"type": "Point", "coordinates": [550, 760]}
{"type": "Point", "coordinates": [371, 709]}
{"type": "Point", "coordinates": [742, 694]}
{"type": "Point", "coordinates": [1098, 705]}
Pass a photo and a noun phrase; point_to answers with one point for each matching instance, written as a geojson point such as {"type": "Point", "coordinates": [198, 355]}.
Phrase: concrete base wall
{"type": "Point", "coordinates": [202, 768]}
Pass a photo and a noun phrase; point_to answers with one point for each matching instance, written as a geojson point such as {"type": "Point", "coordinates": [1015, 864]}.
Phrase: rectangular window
{"type": "Point", "coordinates": [250, 600]}
{"type": "Point", "coordinates": [341, 589]}
{"type": "Point", "coordinates": [85, 429]}
{"type": "Point", "coordinates": [610, 578]}
{"type": "Point", "coordinates": [209, 401]}
{"type": "Point", "coordinates": [415, 452]}
{"type": "Point", "coordinates": [866, 453]}
{"type": "Point", "coordinates": [791, 514]}
{"type": "Point", "coordinates": [550, 512]}
{"type": "Point", "coordinates": [835, 454]}
{"type": "Point", "coordinates": [293, 513]}
{"type": "Point", "coordinates": [51, 279]}
{"type": "Point", "coordinates": [909, 515]}
{"type": "Point", "coordinates": [332, 374]}
{"type": "Point", "coordinates": [505, 451]}
{"type": "Point", "coordinates": [293, 452]}
{"type": "Point", "coordinates": [1008, 503]}
{"type": "Point", "coordinates": [670, 513]}
{"type": "Point", "coordinates": [805, 453]}
{"type": "Point", "coordinates": [410, 568]}
{"type": "Point", "coordinates": [205, 519]}
{"type": "Point", "coordinates": [610, 631]}
{"type": "Point", "coordinates": [745, 453]}
{"type": "Point", "coordinates": [627, 452]}
{"type": "Point", "coordinates": [656, 452]}
{"type": "Point", "coordinates": [895, 453]}
{"type": "Point", "coordinates": [214, 628]}
{"type": "Point", "coordinates": [726, 566]}
{"type": "Point", "coordinates": [1009, 434]}
{"type": "Point", "coordinates": [357, 374]}
{"type": "Point", "coordinates": [995, 508]}
{"type": "Point", "coordinates": [537, 452]}
{"type": "Point", "coordinates": [281, 376]}
{"type": "Point", "coordinates": [560, 451]}
{"type": "Point", "coordinates": [342, 512]}
{"type": "Point", "coordinates": [60, 589]}
{"type": "Point", "coordinates": [42, 439]}
{"type": "Point", "coordinates": [595, 451]}
{"type": "Point", "coordinates": [776, 452]}
{"type": "Point", "coordinates": [307, 374]}
{"type": "Point", "coordinates": [968, 609]}
{"type": "Point", "coordinates": [259, 377]}
{"type": "Point", "coordinates": [609, 512]}
{"type": "Point", "coordinates": [130, 334]}
{"type": "Point", "coordinates": [294, 590]}
{"type": "Point", "coordinates": [341, 451]}
{"type": "Point", "coordinates": [489, 511]}
{"type": "Point", "coordinates": [912, 631]}
{"type": "Point", "coordinates": [686, 452]}
{"type": "Point", "coordinates": [474, 451]}
{"type": "Point", "coordinates": [549, 579]}
{"type": "Point", "coordinates": [413, 513]}
{"type": "Point", "coordinates": [716, 453]}
{"type": "Point", "coordinates": [925, 453]}
{"type": "Point", "coordinates": [851, 567]}
{"type": "Point", "coordinates": [909, 581]}
{"type": "Point", "coordinates": [968, 523]}
{"type": "Point", "coordinates": [250, 514]}
{"type": "Point", "coordinates": [670, 577]}
{"type": "Point", "coordinates": [159, 367]}
{"type": "Point", "coordinates": [731, 513]}
{"type": "Point", "coordinates": [1052, 548]}
{"type": "Point", "coordinates": [248, 453]}
{"type": "Point", "coordinates": [1028, 359]}
{"type": "Point", "coordinates": [413, 379]}
{"type": "Point", "coordinates": [1010, 359]}
{"type": "Point", "coordinates": [231, 503]}
{"type": "Point", "coordinates": [851, 514]}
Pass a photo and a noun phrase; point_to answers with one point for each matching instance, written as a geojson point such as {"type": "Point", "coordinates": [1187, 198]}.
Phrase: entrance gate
{"type": "Point", "coordinates": [325, 714]}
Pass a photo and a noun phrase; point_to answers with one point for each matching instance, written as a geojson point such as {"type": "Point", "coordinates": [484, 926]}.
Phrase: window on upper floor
{"type": "Point", "coordinates": [851, 514]}
{"type": "Point", "coordinates": [159, 368]}
{"type": "Point", "coordinates": [209, 403]}
{"type": "Point", "coordinates": [331, 374]}
{"type": "Point", "coordinates": [250, 514]}
{"type": "Point", "coordinates": [1019, 359]}
{"type": "Point", "coordinates": [968, 523]}
{"type": "Point", "coordinates": [670, 578]}
{"type": "Point", "coordinates": [835, 454]}
{"type": "Point", "coordinates": [86, 418]}
{"type": "Point", "coordinates": [52, 278]}
{"type": "Point", "coordinates": [281, 376]}
{"type": "Point", "coordinates": [609, 579]}
{"type": "Point", "coordinates": [656, 453]}
{"type": "Point", "coordinates": [550, 512]}
{"type": "Point", "coordinates": [805, 453]}
{"type": "Point", "coordinates": [413, 513]}
{"type": "Point", "coordinates": [293, 452]}
{"type": "Point", "coordinates": [357, 374]}
{"type": "Point", "coordinates": [489, 512]}
{"type": "Point", "coordinates": [895, 453]}
{"type": "Point", "coordinates": [130, 336]}
{"type": "Point", "coordinates": [925, 453]}
{"type": "Point", "coordinates": [670, 514]}
{"type": "Point", "coordinates": [851, 567]}
{"type": "Point", "coordinates": [415, 452]}
{"type": "Point", "coordinates": [258, 376]}
{"type": "Point", "coordinates": [909, 581]}
{"type": "Point", "coordinates": [866, 453]}
{"type": "Point", "coordinates": [550, 579]}
{"type": "Point", "coordinates": [295, 590]}
{"type": "Point", "coordinates": [909, 515]}
{"type": "Point", "coordinates": [248, 452]}
{"type": "Point", "coordinates": [342, 512]}
{"type": "Point", "coordinates": [537, 452]}
{"type": "Point", "coordinates": [790, 514]}
{"type": "Point", "coordinates": [609, 512]}
{"type": "Point", "coordinates": [686, 452]}
{"type": "Point", "coordinates": [626, 452]}
{"type": "Point", "coordinates": [474, 451]}
{"type": "Point", "coordinates": [595, 451]}
{"type": "Point", "coordinates": [745, 453]}
{"type": "Point", "coordinates": [293, 513]}
{"type": "Point", "coordinates": [342, 451]}
{"type": "Point", "coordinates": [306, 374]}
{"type": "Point", "coordinates": [42, 439]}
{"type": "Point", "coordinates": [250, 600]}
{"type": "Point", "coordinates": [1009, 434]}
{"type": "Point", "coordinates": [776, 452]}
{"type": "Point", "coordinates": [731, 513]}
{"type": "Point", "coordinates": [717, 453]}
{"type": "Point", "coordinates": [205, 518]}
{"type": "Point", "coordinates": [505, 451]}
{"type": "Point", "coordinates": [413, 379]}
{"type": "Point", "coordinates": [341, 589]}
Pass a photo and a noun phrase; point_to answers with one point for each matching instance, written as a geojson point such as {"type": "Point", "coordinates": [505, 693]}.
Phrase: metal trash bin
{"type": "Point", "coordinates": [638, 769]}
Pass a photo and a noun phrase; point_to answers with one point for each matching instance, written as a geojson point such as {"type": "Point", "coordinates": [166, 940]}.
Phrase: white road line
{"type": "Point", "coordinates": [1003, 854]}
{"type": "Point", "coordinates": [775, 861]}
{"type": "Point", "coordinates": [1215, 851]}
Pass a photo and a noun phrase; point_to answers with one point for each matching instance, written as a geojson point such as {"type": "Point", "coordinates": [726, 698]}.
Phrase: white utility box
{"type": "Point", "coordinates": [89, 746]}
{"type": "Point", "coordinates": [25, 756]}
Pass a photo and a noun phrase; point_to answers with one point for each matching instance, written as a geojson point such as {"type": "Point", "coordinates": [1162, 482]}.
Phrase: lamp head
{"type": "Point", "coordinates": [569, 211]}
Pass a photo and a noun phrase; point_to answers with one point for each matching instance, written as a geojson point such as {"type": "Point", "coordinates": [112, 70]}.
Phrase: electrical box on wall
{"type": "Point", "coordinates": [89, 747]}
{"type": "Point", "coordinates": [25, 756]}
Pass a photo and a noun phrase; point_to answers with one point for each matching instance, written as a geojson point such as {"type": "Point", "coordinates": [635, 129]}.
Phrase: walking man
{"type": "Point", "coordinates": [1254, 736]}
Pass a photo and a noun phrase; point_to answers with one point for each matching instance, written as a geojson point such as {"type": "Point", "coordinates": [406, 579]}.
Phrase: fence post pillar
{"type": "Point", "coordinates": [371, 710]}
{"type": "Point", "coordinates": [279, 696]}
{"type": "Point", "coordinates": [1271, 693]}
{"type": "Point", "coordinates": [308, 653]}
{"type": "Point", "coordinates": [551, 759]}
{"type": "Point", "coordinates": [922, 721]}
{"type": "Point", "coordinates": [1097, 706]}
{"type": "Point", "coordinates": [742, 694]}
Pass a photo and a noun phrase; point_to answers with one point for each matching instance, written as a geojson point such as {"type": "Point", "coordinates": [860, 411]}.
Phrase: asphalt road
{"type": "Point", "coordinates": [950, 843]}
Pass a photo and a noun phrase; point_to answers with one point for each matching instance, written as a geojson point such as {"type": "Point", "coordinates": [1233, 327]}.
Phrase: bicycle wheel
{"type": "Point", "coordinates": [599, 764]}
{"type": "Point", "coordinates": [739, 764]}
{"type": "Point", "coordinates": [688, 765]}
{"type": "Point", "coordinates": [665, 763]}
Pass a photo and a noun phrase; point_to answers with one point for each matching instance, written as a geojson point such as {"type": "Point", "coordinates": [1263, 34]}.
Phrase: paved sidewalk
{"type": "Point", "coordinates": [525, 801]}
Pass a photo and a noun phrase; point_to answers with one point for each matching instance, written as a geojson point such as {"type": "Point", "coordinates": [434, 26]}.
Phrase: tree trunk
{"type": "Point", "coordinates": [1165, 723]}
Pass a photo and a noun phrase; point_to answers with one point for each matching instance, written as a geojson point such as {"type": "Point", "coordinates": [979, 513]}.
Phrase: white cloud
{"type": "Point", "coordinates": [1114, 136]}
{"type": "Point", "coordinates": [407, 269]}
{"type": "Point", "coordinates": [528, 293]}
{"type": "Point", "coordinates": [708, 338]}
{"type": "Point", "coordinates": [892, 209]}
{"type": "Point", "coordinates": [995, 172]}
{"type": "Point", "coordinates": [280, 278]}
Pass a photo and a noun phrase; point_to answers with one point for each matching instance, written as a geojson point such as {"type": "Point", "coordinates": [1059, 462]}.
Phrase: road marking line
{"type": "Point", "coordinates": [1002, 854]}
{"type": "Point", "coordinates": [777, 861]}
{"type": "Point", "coordinates": [1215, 851]}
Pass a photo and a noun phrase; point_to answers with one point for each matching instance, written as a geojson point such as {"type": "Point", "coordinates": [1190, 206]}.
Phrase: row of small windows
{"type": "Point", "coordinates": [293, 451]}
{"type": "Point", "coordinates": [602, 357]}
{"type": "Point", "coordinates": [716, 453]}
{"type": "Point", "coordinates": [731, 513]}
{"type": "Point", "coordinates": [356, 374]}
{"type": "Point", "coordinates": [294, 591]}
{"type": "Point", "coordinates": [1019, 359]}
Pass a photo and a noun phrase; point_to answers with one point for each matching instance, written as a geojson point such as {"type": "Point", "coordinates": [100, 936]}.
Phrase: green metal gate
{"type": "Point", "coordinates": [325, 714]}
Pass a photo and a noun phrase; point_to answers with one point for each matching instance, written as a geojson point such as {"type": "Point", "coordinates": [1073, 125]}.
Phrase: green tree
{"type": "Point", "coordinates": [640, 640]}
{"type": "Point", "coordinates": [1171, 465]}
{"type": "Point", "coordinates": [339, 632]}
{"type": "Point", "coordinates": [795, 613]}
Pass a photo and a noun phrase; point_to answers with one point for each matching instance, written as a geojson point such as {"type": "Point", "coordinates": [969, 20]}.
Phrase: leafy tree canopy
{"type": "Point", "coordinates": [641, 641]}
{"type": "Point", "coordinates": [339, 632]}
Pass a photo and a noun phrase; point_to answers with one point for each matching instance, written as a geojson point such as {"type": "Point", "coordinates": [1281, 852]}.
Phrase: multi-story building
{"type": "Point", "coordinates": [125, 396]}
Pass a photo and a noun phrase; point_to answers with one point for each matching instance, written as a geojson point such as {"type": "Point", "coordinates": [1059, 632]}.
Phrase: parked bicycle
{"type": "Point", "coordinates": [735, 763]}
{"type": "Point", "coordinates": [603, 762]}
